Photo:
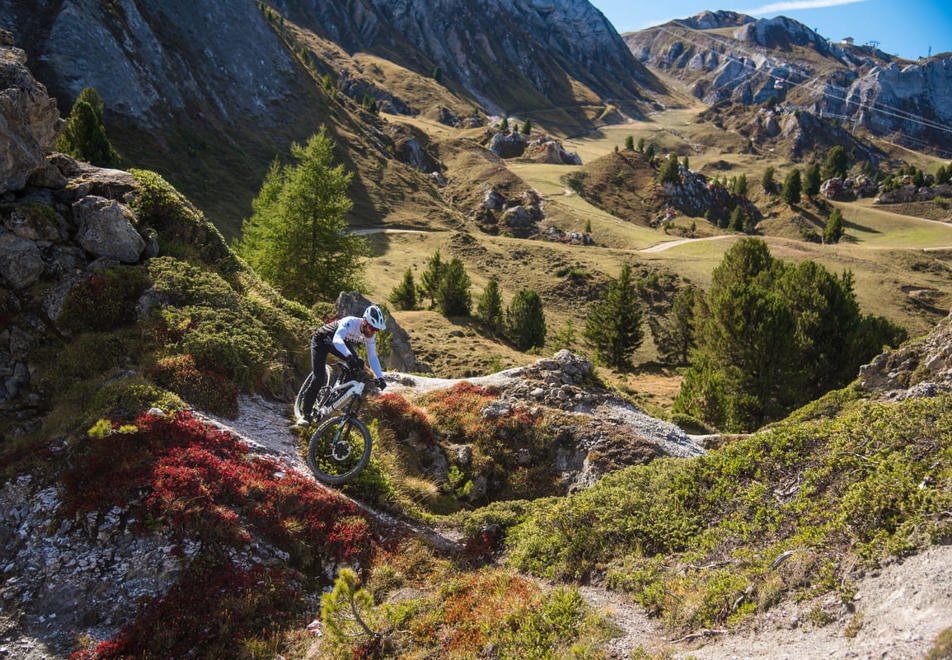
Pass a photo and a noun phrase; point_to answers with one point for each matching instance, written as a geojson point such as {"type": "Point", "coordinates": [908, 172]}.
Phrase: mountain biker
{"type": "Point", "coordinates": [340, 337]}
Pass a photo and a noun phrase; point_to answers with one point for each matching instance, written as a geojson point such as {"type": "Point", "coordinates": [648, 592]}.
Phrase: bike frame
{"type": "Point", "coordinates": [355, 390]}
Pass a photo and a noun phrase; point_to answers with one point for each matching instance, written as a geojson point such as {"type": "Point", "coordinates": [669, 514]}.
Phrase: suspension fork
{"type": "Point", "coordinates": [351, 411]}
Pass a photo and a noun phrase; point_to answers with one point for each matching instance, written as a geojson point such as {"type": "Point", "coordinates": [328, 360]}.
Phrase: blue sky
{"type": "Point", "coordinates": [906, 28]}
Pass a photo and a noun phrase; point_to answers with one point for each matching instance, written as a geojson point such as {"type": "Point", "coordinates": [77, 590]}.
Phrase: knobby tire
{"type": "Point", "coordinates": [328, 469]}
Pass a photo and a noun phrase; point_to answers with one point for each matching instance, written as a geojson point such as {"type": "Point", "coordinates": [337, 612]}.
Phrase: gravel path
{"type": "Point", "coordinates": [897, 613]}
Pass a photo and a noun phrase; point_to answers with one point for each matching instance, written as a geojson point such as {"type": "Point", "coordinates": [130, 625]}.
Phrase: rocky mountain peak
{"type": "Point", "coordinates": [710, 20]}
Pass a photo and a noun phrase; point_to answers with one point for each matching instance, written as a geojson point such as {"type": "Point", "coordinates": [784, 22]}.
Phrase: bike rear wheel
{"type": "Point", "coordinates": [299, 399]}
{"type": "Point", "coordinates": [339, 449]}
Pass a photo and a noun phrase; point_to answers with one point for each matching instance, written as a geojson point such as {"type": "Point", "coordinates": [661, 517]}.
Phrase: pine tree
{"type": "Point", "coordinates": [347, 612]}
{"type": "Point", "coordinates": [613, 326]}
{"type": "Point", "coordinates": [431, 278]}
{"type": "Point", "coordinates": [767, 181]}
{"type": "Point", "coordinates": [452, 295]}
{"type": "Point", "coordinates": [630, 142]}
{"type": "Point", "coordinates": [942, 175]}
{"type": "Point", "coordinates": [674, 335]}
{"type": "Point", "coordinates": [504, 125]}
{"type": "Point", "coordinates": [811, 184]}
{"type": "Point", "coordinates": [650, 152]}
{"type": "Point", "coordinates": [740, 186]}
{"type": "Point", "coordinates": [84, 135]}
{"type": "Point", "coordinates": [489, 310]}
{"type": "Point", "coordinates": [403, 296]}
{"type": "Point", "coordinates": [772, 336]}
{"type": "Point", "coordinates": [833, 231]}
{"type": "Point", "coordinates": [792, 186]}
{"type": "Point", "coordinates": [525, 320]}
{"type": "Point", "coordinates": [566, 337]}
{"type": "Point", "coordinates": [836, 164]}
{"type": "Point", "coordinates": [526, 127]}
{"type": "Point", "coordinates": [737, 219]}
{"type": "Point", "coordinates": [297, 238]}
{"type": "Point", "coordinates": [641, 144]}
{"type": "Point", "coordinates": [670, 171]}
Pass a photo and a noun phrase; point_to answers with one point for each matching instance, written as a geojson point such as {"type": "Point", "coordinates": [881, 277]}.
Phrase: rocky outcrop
{"type": "Point", "coordinates": [695, 195]}
{"type": "Point", "coordinates": [596, 431]}
{"type": "Point", "coordinates": [919, 368]}
{"type": "Point", "coordinates": [401, 357]}
{"type": "Point", "coordinates": [508, 144]}
{"type": "Point", "coordinates": [29, 119]}
{"type": "Point", "coordinates": [911, 193]}
{"type": "Point", "coordinates": [517, 216]}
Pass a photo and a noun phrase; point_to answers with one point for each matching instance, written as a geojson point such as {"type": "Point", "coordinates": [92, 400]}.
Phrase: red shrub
{"type": "Point", "coordinates": [458, 412]}
{"type": "Point", "coordinates": [105, 300]}
{"type": "Point", "coordinates": [395, 413]}
{"type": "Point", "coordinates": [179, 472]}
{"type": "Point", "coordinates": [210, 610]}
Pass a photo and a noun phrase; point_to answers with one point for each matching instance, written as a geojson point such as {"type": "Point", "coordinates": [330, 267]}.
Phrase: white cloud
{"type": "Point", "coordinates": [790, 5]}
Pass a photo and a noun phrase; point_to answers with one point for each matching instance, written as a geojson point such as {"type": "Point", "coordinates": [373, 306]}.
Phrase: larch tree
{"type": "Point", "coordinates": [297, 237]}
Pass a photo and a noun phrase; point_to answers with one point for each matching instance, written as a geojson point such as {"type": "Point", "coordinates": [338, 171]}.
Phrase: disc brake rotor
{"type": "Point", "coordinates": [341, 450]}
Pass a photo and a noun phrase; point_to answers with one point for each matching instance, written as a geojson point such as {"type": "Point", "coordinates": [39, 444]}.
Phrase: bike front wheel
{"type": "Point", "coordinates": [339, 449]}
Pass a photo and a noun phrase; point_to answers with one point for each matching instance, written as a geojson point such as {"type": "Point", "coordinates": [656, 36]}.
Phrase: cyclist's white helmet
{"type": "Point", "coordinates": [374, 317]}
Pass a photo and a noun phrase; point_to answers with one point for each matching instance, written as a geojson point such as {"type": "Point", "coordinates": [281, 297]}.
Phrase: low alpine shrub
{"type": "Point", "coordinates": [204, 389]}
{"type": "Point", "coordinates": [105, 300]}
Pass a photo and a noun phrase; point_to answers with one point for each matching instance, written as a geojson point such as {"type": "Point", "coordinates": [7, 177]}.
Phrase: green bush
{"type": "Point", "coordinates": [206, 390]}
{"type": "Point", "coordinates": [182, 229]}
{"type": "Point", "coordinates": [105, 300]}
{"type": "Point", "coordinates": [697, 540]}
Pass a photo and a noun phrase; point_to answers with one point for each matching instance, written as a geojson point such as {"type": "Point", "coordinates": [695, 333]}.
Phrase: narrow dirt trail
{"type": "Point", "coordinates": [897, 613]}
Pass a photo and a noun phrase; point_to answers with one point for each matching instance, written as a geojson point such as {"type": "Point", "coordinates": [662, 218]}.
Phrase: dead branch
{"type": "Point", "coordinates": [700, 633]}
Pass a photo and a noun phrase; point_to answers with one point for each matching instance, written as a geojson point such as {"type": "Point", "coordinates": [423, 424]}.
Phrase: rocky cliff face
{"type": "Point", "coordinates": [490, 47]}
{"type": "Point", "coordinates": [30, 121]}
{"type": "Point", "coordinates": [154, 61]}
{"type": "Point", "coordinates": [780, 57]}
{"type": "Point", "coordinates": [149, 60]}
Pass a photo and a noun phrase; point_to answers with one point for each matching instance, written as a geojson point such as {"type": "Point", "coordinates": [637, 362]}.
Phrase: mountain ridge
{"type": "Point", "coordinates": [724, 55]}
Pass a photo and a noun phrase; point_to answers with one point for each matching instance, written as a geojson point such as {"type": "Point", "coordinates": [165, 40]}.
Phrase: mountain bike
{"type": "Point", "coordinates": [340, 446]}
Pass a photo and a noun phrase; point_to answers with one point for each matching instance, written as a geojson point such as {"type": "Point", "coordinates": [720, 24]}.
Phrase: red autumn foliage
{"type": "Point", "coordinates": [179, 472]}
{"type": "Point", "coordinates": [458, 411]}
{"type": "Point", "coordinates": [481, 600]}
{"type": "Point", "coordinates": [104, 300]}
{"type": "Point", "coordinates": [396, 414]}
{"type": "Point", "coordinates": [209, 611]}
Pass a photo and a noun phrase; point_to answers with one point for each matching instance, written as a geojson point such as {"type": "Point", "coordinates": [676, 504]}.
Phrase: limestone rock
{"type": "Point", "coordinates": [29, 120]}
{"type": "Point", "coordinates": [21, 263]}
{"type": "Point", "coordinates": [106, 229]}
{"type": "Point", "coordinates": [401, 356]}
{"type": "Point", "coordinates": [508, 145]}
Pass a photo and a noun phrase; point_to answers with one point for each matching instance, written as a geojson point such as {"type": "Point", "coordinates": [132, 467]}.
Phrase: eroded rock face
{"type": "Point", "coordinates": [919, 368]}
{"type": "Point", "coordinates": [29, 119]}
{"type": "Point", "coordinates": [401, 356]}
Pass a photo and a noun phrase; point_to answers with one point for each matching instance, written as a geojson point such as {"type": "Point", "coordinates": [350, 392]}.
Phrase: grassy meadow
{"type": "Point", "coordinates": [900, 261]}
